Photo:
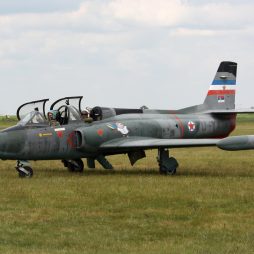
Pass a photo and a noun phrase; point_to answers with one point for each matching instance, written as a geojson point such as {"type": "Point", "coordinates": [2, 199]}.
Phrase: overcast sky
{"type": "Point", "coordinates": [123, 53]}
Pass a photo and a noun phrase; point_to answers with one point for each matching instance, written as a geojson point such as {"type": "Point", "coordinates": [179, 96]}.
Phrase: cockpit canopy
{"type": "Point", "coordinates": [33, 113]}
{"type": "Point", "coordinates": [28, 107]}
{"type": "Point", "coordinates": [68, 112]}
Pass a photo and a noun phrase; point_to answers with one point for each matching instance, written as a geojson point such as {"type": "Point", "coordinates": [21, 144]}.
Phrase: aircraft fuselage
{"type": "Point", "coordinates": [83, 140]}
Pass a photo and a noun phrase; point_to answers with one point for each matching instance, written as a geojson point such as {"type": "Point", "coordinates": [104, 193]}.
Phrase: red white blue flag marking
{"type": "Point", "coordinates": [221, 88]}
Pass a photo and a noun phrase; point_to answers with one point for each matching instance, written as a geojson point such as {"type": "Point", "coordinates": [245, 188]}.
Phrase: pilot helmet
{"type": "Point", "coordinates": [53, 115]}
{"type": "Point", "coordinates": [85, 113]}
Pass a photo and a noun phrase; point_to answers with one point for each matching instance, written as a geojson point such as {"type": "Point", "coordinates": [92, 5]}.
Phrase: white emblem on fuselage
{"type": "Point", "coordinates": [119, 127]}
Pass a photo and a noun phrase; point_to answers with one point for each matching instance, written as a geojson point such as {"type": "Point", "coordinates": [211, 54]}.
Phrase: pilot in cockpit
{"type": "Point", "coordinates": [54, 118]}
{"type": "Point", "coordinates": [85, 114]}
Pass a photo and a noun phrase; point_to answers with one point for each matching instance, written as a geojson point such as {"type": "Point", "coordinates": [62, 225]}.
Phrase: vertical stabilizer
{"type": "Point", "coordinates": [221, 93]}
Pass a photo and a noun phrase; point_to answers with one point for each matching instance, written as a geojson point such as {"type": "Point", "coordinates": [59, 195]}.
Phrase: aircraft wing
{"type": "Point", "coordinates": [146, 143]}
{"type": "Point", "coordinates": [230, 111]}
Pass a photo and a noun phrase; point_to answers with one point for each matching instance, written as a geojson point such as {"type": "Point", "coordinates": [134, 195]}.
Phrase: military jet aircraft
{"type": "Point", "coordinates": [63, 134]}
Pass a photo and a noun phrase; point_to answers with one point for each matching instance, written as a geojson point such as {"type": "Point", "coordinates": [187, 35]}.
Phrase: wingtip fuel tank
{"type": "Point", "coordinates": [236, 143]}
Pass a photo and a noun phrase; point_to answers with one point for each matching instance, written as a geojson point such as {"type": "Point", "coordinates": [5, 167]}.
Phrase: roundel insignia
{"type": "Point", "coordinates": [191, 126]}
{"type": "Point", "coordinates": [100, 132]}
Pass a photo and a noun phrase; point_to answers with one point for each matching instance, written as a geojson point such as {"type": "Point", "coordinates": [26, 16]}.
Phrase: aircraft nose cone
{"type": "Point", "coordinates": [237, 143]}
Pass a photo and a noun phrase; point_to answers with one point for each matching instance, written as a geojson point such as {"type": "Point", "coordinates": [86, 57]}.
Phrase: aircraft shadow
{"type": "Point", "coordinates": [148, 172]}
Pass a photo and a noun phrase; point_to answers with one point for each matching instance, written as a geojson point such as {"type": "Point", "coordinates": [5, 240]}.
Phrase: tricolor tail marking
{"type": "Point", "coordinates": [222, 87]}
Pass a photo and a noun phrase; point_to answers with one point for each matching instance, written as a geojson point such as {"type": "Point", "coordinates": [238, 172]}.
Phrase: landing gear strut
{"type": "Point", "coordinates": [74, 165]}
{"type": "Point", "coordinates": [24, 169]}
{"type": "Point", "coordinates": [167, 165]}
{"type": "Point", "coordinates": [101, 159]}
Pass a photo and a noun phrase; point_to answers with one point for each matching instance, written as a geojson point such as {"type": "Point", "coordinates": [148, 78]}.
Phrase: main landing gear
{"type": "Point", "coordinates": [24, 169]}
{"type": "Point", "coordinates": [167, 165]}
{"type": "Point", "coordinates": [74, 165]}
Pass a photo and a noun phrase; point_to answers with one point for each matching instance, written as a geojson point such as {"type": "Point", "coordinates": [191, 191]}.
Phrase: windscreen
{"type": "Point", "coordinates": [26, 108]}
{"type": "Point", "coordinates": [33, 118]}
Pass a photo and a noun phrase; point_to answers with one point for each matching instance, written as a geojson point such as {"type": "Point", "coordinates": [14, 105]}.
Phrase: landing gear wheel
{"type": "Point", "coordinates": [25, 171]}
{"type": "Point", "coordinates": [165, 171]}
{"type": "Point", "coordinates": [167, 165]}
{"type": "Point", "coordinates": [74, 165]}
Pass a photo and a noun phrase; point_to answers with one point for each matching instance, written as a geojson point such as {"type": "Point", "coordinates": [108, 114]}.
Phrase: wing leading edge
{"type": "Point", "coordinates": [146, 143]}
{"type": "Point", "coordinates": [231, 111]}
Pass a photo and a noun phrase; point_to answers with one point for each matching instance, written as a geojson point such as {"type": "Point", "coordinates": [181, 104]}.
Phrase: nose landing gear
{"type": "Point", "coordinates": [24, 169]}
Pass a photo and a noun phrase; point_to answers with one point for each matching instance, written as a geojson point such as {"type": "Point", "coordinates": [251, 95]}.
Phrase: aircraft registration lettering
{"type": "Point", "coordinates": [203, 125]}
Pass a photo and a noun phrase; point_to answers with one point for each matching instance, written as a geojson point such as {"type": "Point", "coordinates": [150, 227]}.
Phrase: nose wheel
{"type": "Point", "coordinates": [24, 169]}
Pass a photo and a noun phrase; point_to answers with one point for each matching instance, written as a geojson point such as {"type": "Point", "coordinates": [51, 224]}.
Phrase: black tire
{"type": "Point", "coordinates": [23, 174]}
{"type": "Point", "coordinates": [76, 166]}
{"type": "Point", "coordinates": [65, 163]}
{"type": "Point", "coordinates": [165, 171]}
{"type": "Point", "coordinates": [171, 172]}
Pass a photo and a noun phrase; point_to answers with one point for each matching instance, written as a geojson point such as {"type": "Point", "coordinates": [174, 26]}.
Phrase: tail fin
{"type": "Point", "coordinates": [221, 94]}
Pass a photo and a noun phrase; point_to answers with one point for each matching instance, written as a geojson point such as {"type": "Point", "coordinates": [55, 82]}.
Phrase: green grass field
{"type": "Point", "coordinates": [208, 207]}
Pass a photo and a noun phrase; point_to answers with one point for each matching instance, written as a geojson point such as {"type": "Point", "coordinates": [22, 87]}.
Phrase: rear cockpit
{"type": "Point", "coordinates": [67, 109]}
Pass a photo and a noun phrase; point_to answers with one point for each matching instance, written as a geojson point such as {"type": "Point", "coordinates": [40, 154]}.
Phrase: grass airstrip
{"type": "Point", "coordinates": [208, 207]}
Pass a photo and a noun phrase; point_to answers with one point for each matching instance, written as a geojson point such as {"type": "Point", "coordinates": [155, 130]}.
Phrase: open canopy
{"type": "Point", "coordinates": [34, 112]}
{"type": "Point", "coordinates": [69, 109]}
{"type": "Point", "coordinates": [28, 107]}
{"type": "Point", "coordinates": [74, 101]}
